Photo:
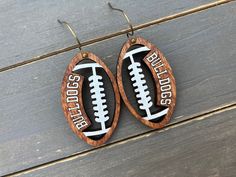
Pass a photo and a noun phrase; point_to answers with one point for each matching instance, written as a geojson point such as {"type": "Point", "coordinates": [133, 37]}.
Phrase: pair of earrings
{"type": "Point", "coordinates": [141, 67]}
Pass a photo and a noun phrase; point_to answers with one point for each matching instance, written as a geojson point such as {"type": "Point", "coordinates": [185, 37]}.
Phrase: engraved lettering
{"type": "Point", "coordinates": [72, 97]}
{"type": "Point", "coordinates": [164, 80]}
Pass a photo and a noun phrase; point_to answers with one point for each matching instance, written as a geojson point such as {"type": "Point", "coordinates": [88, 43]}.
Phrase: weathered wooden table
{"type": "Point", "coordinates": [35, 139]}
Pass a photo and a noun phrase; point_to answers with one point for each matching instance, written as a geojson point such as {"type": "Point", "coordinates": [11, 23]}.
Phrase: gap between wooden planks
{"type": "Point", "coordinates": [202, 116]}
{"type": "Point", "coordinates": [115, 34]}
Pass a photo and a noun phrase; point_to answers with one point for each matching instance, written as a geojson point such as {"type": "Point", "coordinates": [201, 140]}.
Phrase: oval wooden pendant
{"type": "Point", "coordinates": [142, 68]}
{"type": "Point", "coordinates": [86, 87]}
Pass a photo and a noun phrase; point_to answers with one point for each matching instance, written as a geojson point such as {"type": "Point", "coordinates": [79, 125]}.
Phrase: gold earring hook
{"type": "Point", "coordinates": [126, 17]}
{"type": "Point", "coordinates": [72, 31]}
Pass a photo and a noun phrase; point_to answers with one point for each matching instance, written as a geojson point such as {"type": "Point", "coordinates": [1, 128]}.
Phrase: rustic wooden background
{"type": "Point", "coordinates": [35, 139]}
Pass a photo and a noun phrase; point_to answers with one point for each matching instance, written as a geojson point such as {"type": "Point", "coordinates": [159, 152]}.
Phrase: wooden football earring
{"type": "Point", "coordinates": [146, 69]}
{"type": "Point", "coordinates": [84, 97]}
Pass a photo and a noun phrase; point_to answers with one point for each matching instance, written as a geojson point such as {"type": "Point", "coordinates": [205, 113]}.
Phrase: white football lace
{"type": "Point", "coordinates": [140, 86]}
{"type": "Point", "coordinates": [99, 100]}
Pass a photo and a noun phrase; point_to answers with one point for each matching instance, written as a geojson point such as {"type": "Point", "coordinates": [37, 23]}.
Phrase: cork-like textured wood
{"type": "Point", "coordinates": [162, 76]}
{"type": "Point", "coordinates": [84, 121]}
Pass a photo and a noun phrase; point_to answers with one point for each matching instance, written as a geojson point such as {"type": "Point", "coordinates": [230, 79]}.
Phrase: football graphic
{"type": "Point", "coordinates": [84, 99]}
{"type": "Point", "coordinates": [152, 96]}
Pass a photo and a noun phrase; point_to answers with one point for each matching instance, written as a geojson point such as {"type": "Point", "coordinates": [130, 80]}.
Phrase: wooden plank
{"type": "Point", "coordinates": [33, 129]}
{"type": "Point", "coordinates": [29, 28]}
{"type": "Point", "coordinates": [202, 147]}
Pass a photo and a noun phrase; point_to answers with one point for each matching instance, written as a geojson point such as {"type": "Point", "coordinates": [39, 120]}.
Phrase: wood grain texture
{"type": "Point", "coordinates": [199, 48]}
{"type": "Point", "coordinates": [169, 74]}
{"type": "Point", "coordinates": [65, 105]}
{"type": "Point", "coordinates": [204, 147]}
{"type": "Point", "coordinates": [30, 28]}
